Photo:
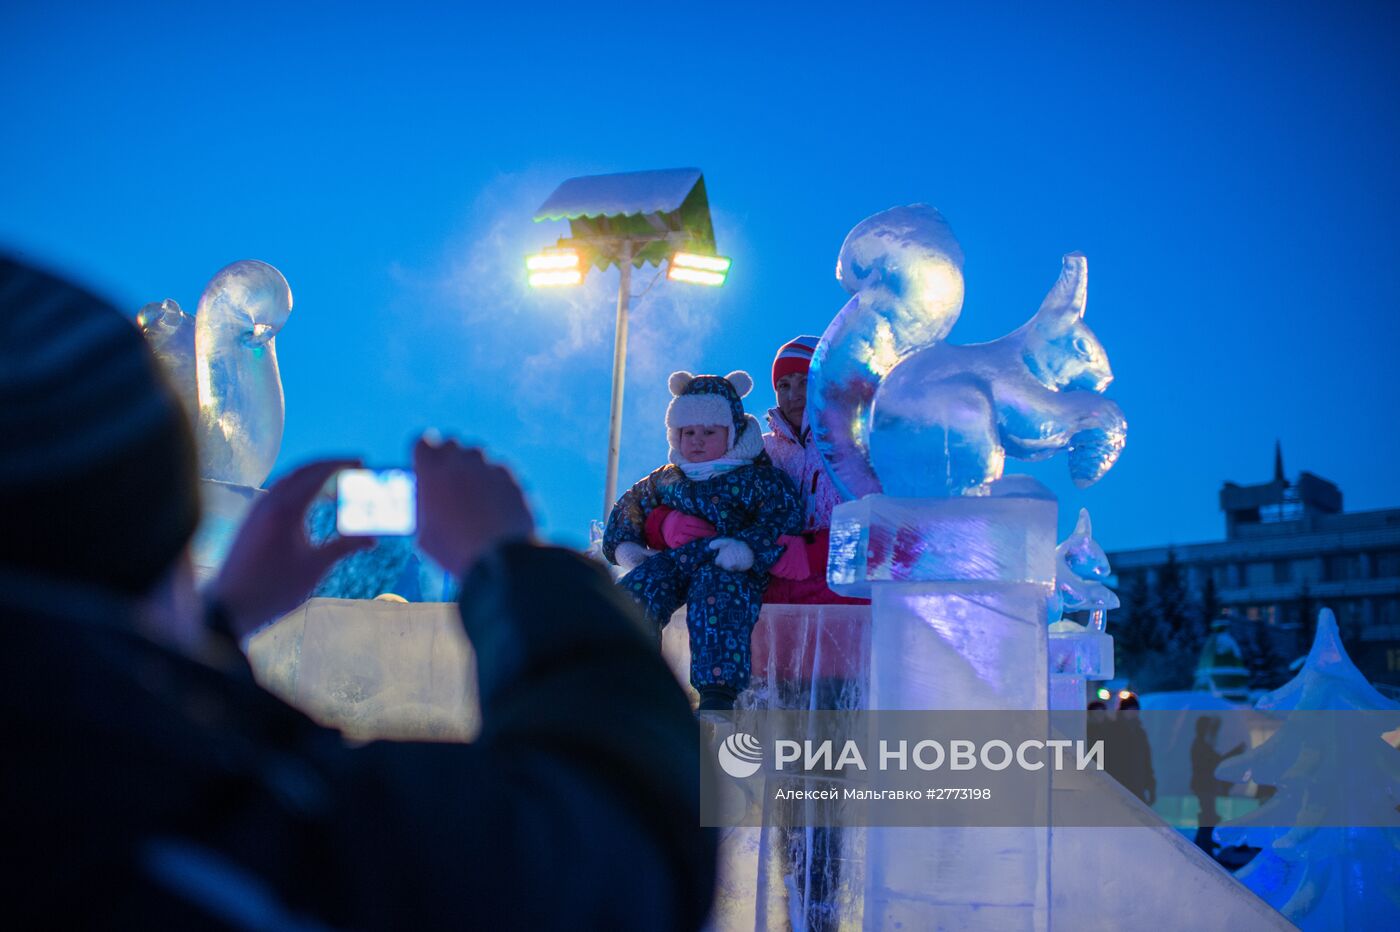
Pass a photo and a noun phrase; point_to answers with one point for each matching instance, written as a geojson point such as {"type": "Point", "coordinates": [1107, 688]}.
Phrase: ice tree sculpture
{"type": "Point", "coordinates": [1330, 834]}
{"type": "Point", "coordinates": [897, 410]}
{"type": "Point", "coordinates": [1080, 568]}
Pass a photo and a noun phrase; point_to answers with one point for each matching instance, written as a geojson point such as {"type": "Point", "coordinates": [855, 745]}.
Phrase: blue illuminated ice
{"type": "Point", "coordinates": [1335, 781]}
{"type": "Point", "coordinates": [241, 407]}
{"type": "Point", "coordinates": [1080, 568]}
{"type": "Point", "coordinates": [945, 418]}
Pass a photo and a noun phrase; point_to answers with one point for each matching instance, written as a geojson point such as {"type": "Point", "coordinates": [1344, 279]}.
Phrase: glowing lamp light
{"type": "Point", "coordinates": [556, 279]}
{"type": "Point", "coordinates": [697, 269]}
{"type": "Point", "coordinates": [554, 268]}
{"type": "Point", "coordinates": [1104, 694]}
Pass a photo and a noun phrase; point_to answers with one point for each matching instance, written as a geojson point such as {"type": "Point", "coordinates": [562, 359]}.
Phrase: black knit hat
{"type": "Point", "coordinates": [97, 461]}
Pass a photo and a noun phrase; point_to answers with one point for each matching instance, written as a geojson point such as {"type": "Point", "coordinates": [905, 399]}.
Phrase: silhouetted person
{"type": "Point", "coordinates": [150, 783]}
{"type": "Point", "coordinates": [1204, 759]}
{"type": "Point", "coordinates": [1128, 753]}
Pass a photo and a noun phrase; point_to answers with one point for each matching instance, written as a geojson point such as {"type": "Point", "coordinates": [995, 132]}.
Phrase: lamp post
{"type": "Point", "coordinates": [619, 375]}
{"type": "Point", "coordinates": [629, 220]}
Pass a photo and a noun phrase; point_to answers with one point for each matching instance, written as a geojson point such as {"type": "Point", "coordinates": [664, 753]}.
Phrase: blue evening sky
{"type": "Point", "coordinates": [1229, 169]}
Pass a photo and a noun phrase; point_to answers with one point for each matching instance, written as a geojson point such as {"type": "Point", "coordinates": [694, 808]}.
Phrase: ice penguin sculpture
{"type": "Point", "coordinates": [241, 408]}
{"type": "Point", "coordinates": [897, 410]}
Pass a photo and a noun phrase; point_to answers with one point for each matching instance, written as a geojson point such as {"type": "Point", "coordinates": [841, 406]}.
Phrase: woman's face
{"type": "Point", "coordinates": [792, 397]}
{"type": "Point", "coordinates": [704, 443]}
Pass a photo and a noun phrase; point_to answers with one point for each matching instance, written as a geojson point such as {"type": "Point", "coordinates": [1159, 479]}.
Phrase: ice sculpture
{"type": "Point", "coordinates": [1080, 567]}
{"type": "Point", "coordinates": [222, 364]}
{"type": "Point", "coordinates": [893, 409]}
{"type": "Point", "coordinates": [903, 269]}
{"type": "Point", "coordinates": [1324, 876]}
{"type": "Point", "coordinates": [959, 562]}
{"type": "Point", "coordinates": [1078, 653]}
{"type": "Point", "coordinates": [170, 333]}
{"type": "Point", "coordinates": [945, 418]}
{"type": "Point", "coordinates": [241, 407]}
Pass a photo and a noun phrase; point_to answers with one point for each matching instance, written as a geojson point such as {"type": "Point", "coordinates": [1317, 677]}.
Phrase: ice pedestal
{"type": "Point", "coordinates": [958, 589]}
{"type": "Point", "coordinates": [1077, 655]}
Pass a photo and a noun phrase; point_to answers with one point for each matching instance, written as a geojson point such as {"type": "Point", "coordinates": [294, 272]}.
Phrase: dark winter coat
{"type": "Point", "coordinates": [143, 789]}
{"type": "Point", "coordinates": [754, 503]}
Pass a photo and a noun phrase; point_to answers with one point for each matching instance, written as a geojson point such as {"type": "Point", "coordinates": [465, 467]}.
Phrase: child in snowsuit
{"type": "Point", "coordinates": [719, 473]}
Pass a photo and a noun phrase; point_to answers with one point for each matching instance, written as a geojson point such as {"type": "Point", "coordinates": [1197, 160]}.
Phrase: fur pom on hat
{"type": "Point", "coordinates": [712, 399]}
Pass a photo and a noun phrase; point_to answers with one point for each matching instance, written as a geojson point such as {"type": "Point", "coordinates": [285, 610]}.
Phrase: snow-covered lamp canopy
{"type": "Point", "coordinates": [655, 213]}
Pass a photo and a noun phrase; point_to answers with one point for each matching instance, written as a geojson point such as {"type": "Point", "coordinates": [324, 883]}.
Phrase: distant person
{"type": "Point", "coordinates": [149, 783]}
{"type": "Point", "coordinates": [1204, 759]}
{"type": "Point", "coordinates": [719, 508]}
{"type": "Point", "coordinates": [1128, 752]}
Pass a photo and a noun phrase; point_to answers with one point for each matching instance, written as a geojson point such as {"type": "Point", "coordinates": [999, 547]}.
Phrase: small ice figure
{"type": "Point", "coordinates": [903, 268]}
{"type": "Point", "coordinates": [945, 418]}
{"type": "Point", "coordinates": [241, 407]}
{"type": "Point", "coordinates": [170, 333]}
{"type": "Point", "coordinates": [1080, 568]}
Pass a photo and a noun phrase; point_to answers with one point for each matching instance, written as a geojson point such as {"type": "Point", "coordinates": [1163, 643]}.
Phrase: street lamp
{"type": "Point", "coordinates": [628, 220]}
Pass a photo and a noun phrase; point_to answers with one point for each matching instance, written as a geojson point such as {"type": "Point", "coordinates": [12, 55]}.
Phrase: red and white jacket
{"type": "Point", "coordinates": [803, 464]}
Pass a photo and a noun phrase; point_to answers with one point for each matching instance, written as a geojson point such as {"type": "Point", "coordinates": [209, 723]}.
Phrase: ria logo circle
{"type": "Point", "coordinates": [740, 755]}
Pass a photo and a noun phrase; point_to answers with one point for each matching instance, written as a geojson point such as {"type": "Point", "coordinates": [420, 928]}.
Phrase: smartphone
{"type": "Point", "coordinates": [375, 503]}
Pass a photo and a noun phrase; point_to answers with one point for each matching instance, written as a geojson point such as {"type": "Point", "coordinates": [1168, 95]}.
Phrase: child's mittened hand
{"type": "Point", "coordinates": [733, 555]}
{"type": "Point", "coordinates": [680, 529]}
{"type": "Point", "coordinates": [793, 564]}
{"type": "Point", "coordinates": [630, 556]}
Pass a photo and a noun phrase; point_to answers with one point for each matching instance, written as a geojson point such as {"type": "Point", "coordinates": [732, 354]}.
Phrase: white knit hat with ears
{"type": "Point", "coordinates": [712, 399]}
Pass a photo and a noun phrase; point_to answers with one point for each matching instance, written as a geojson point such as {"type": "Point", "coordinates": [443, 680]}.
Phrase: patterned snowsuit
{"type": "Point", "coordinates": [754, 503]}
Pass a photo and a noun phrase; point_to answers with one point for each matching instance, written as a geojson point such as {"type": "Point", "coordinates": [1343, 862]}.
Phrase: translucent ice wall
{"type": "Point", "coordinates": [373, 669]}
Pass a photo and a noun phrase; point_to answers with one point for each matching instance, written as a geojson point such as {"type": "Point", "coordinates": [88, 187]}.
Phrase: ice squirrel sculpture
{"type": "Point", "coordinates": [1080, 567]}
{"type": "Point", "coordinates": [235, 388]}
{"type": "Point", "coordinates": [896, 410]}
